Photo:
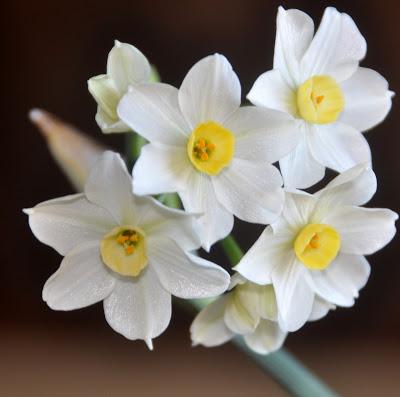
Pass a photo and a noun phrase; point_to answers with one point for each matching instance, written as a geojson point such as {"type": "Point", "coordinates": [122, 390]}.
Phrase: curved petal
{"type": "Point", "coordinates": [66, 222]}
{"type": "Point", "coordinates": [152, 110]}
{"type": "Point", "coordinates": [268, 308]}
{"type": "Point", "coordinates": [363, 231]}
{"type": "Point", "coordinates": [252, 191]}
{"type": "Point", "coordinates": [139, 308]}
{"type": "Point", "coordinates": [110, 186]}
{"type": "Point", "coordinates": [367, 99]}
{"type": "Point", "coordinates": [266, 253]}
{"type": "Point", "coordinates": [210, 91]}
{"type": "Point", "coordinates": [262, 135]}
{"type": "Point", "coordinates": [81, 280]}
{"type": "Point", "coordinates": [109, 125]}
{"type": "Point", "coordinates": [299, 168]}
{"type": "Point", "coordinates": [271, 91]}
{"type": "Point", "coordinates": [182, 274]}
{"type": "Point", "coordinates": [336, 49]}
{"type": "Point", "coordinates": [208, 328]}
{"type": "Point", "coordinates": [294, 296]}
{"type": "Point", "coordinates": [199, 197]}
{"type": "Point", "coordinates": [126, 65]}
{"type": "Point", "coordinates": [340, 282]}
{"type": "Point", "coordinates": [294, 32]}
{"type": "Point", "coordinates": [320, 309]}
{"type": "Point", "coordinates": [161, 169]}
{"type": "Point", "coordinates": [266, 338]}
{"type": "Point", "coordinates": [339, 146]}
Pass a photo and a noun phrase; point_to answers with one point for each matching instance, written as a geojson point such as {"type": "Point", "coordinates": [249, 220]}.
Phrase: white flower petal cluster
{"type": "Point", "coordinates": [316, 249]}
{"type": "Point", "coordinates": [126, 66]}
{"type": "Point", "coordinates": [149, 246]}
{"type": "Point", "coordinates": [317, 79]}
{"type": "Point", "coordinates": [203, 145]}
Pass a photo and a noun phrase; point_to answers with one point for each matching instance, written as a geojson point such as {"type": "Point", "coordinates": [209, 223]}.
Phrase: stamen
{"type": "Point", "coordinates": [319, 99]}
{"type": "Point", "coordinates": [122, 239]}
{"type": "Point", "coordinates": [130, 249]}
{"type": "Point", "coordinates": [314, 243]}
{"type": "Point", "coordinates": [204, 156]}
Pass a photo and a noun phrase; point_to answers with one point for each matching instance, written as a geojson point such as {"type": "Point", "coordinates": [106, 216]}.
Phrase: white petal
{"type": "Point", "coordinates": [182, 274]}
{"type": "Point", "coordinates": [69, 221]}
{"type": "Point", "coordinates": [161, 169]}
{"type": "Point", "coordinates": [156, 219]}
{"type": "Point", "coordinates": [108, 124]}
{"type": "Point", "coordinates": [199, 197]}
{"type": "Point", "coordinates": [210, 91]}
{"type": "Point", "coordinates": [267, 337]}
{"type": "Point", "coordinates": [126, 65]}
{"type": "Point", "coordinates": [152, 110]}
{"type": "Point", "coordinates": [339, 146]}
{"type": "Point", "coordinates": [268, 308]}
{"type": "Point", "coordinates": [271, 91]}
{"type": "Point", "coordinates": [336, 49]}
{"type": "Point", "coordinates": [262, 135]}
{"type": "Point", "coordinates": [367, 99]}
{"type": "Point", "coordinates": [293, 295]}
{"type": "Point", "coordinates": [340, 282]}
{"type": "Point", "coordinates": [208, 328]}
{"type": "Point", "coordinates": [355, 186]}
{"type": "Point", "coordinates": [294, 32]}
{"type": "Point", "coordinates": [363, 231]}
{"type": "Point", "coordinates": [299, 168]}
{"type": "Point", "coordinates": [110, 186]}
{"type": "Point", "coordinates": [81, 280]}
{"type": "Point", "coordinates": [252, 191]}
{"type": "Point", "coordinates": [266, 253]}
{"type": "Point", "coordinates": [139, 308]}
{"type": "Point", "coordinates": [320, 309]}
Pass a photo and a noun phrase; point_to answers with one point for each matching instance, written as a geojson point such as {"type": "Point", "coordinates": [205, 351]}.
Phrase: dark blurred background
{"type": "Point", "coordinates": [49, 50]}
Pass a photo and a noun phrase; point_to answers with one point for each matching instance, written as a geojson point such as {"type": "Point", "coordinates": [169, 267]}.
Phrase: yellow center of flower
{"type": "Point", "coordinates": [123, 250]}
{"type": "Point", "coordinates": [320, 100]}
{"type": "Point", "coordinates": [210, 147]}
{"type": "Point", "coordinates": [317, 245]}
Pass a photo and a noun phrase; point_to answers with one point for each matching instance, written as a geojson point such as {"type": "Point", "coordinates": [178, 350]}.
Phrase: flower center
{"type": "Point", "coordinates": [320, 100]}
{"type": "Point", "coordinates": [210, 147]}
{"type": "Point", "coordinates": [317, 245]}
{"type": "Point", "coordinates": [123, 250]}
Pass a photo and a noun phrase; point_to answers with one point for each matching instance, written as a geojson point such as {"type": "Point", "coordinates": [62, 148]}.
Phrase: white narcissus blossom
{"type": "Point", "coordinates": [316, 249]}
{"type": "Point", "coordinates": [130, 252]}
{"type": "Point", "coordinates": [203, 145]}
{"type": "Point", "coordinates": [317, 79]}
{"type": "Point", "coordinates": [126, 65]}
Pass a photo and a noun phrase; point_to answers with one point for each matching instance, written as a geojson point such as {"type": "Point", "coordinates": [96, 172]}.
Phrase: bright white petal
{"type": "Point", "coordinates": [336, 49]}
{"type": "Point", "coordinates": [108, 124]}
{"type": "Point", "coordinates": [320, 309]}
{"type": "Point", "coordinates": [182, 274]}
{"type": "Point", "coordinates": [210, 91]}
{"type": "Point", "coordinates": [268, 308]}
{"type": "Point", "coordinates": [139, 308]}
{"type": "Point", "coordinates": [69, 221]}
{"type": "Point", "coordinates": [110, 186]}
{"type": "Point", "coordinates": [340, 282]}
{"type": "Point", "coordinates": [266, 253]}
{"type": "Point", "coordinates": [208, 328]}
{"type": "Point", "coordinates": [199, 197]}
{"type": "Point", "coordinates": [262, 135]}
{"type": "Point", "coordinates": [161, 169]}
{"type": "Point", "coordinates": [299, 168]}
{"type": "Point", "coordinates": [338, 146]}
{"type": "Point", "coordinates": [252, 191]}
{"type": "Point", "coordinates": [126, 65]}
{"type": "Point", "coordinates": [363, 231]}
{"type": "Point", "coordinates": [367, 99]}
{"type": "Point", "coordinates": [271, 91]}
{"type": "Point", "coordinates": [81, 280]}
{"type": "Point", "coordinates": [294, 296]}
{"type": "Point", "coordinates": [152, 110]}
{"type": "Point", "coordinates": [267, 337]}
{"type": "Point", "coordinates": [294, 32]}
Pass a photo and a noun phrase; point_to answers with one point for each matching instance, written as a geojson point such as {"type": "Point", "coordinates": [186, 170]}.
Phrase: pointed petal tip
{"type": "Point", "coordinates": [28, 211]}
{"type": "Point", "coordinates": [35, 115]}
{"type": "Point", "coordinates": [149, 343]}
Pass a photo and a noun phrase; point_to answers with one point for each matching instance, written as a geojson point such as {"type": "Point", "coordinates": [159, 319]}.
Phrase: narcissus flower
{"type": "Point", "coordinates": [316, 249]}
{"type": "Point", "coordinates": [131, 253]}
{"type": "Point", "coordinates": [126, 65]}
{"type": "Point", "coordinates": [216, 155]}
{"type": "Point", "coordinates": [317, 79]}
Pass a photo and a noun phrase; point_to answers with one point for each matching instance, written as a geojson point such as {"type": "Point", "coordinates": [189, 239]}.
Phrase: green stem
{"type": "Point", "coordinates": [232, 249]}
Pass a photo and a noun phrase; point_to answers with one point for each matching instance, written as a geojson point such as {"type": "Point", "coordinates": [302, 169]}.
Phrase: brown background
{"type": "Point", "coordinates": [49, 50]}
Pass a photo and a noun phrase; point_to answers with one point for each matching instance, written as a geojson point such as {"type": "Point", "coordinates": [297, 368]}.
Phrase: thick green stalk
{"type": "Point", "coordinates": [232, 249]}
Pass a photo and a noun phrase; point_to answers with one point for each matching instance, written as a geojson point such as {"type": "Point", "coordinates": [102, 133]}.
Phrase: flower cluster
{"type": "Point", "coordinates": [124, 248]}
